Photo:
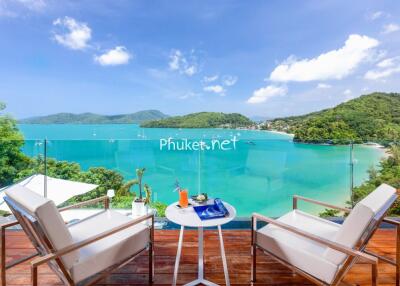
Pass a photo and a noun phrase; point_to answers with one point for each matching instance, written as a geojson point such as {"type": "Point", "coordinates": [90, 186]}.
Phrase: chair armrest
{"type": "Point", "coordinates": [391, 221]}
{"type": "Point", "coordinates": [336, 246]}
{"type": "Point", "coordinates": [106, 200]}
{"type": "Point", "coordinates": [88, 202]}
{"type": "Point", "coordinates": [9, 224]}
{"type": "Point", "coordinates": [40, 260]}
{"type": "Point", "coordinates": [296, 198]}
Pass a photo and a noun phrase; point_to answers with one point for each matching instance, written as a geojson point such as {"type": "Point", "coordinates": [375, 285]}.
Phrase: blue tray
{"type": "Point", "coordinates": [213, 211]}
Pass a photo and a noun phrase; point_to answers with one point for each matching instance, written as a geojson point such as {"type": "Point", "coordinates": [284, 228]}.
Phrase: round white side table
{"type": "Point", "coordinates": [188, 218]}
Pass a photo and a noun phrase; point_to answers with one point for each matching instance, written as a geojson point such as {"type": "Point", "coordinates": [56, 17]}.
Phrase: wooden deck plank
{"type": "Point", "coordinates": [237, 245]}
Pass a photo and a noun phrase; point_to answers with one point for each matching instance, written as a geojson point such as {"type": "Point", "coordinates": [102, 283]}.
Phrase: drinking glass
{"type": "Point", "coordinates": [183, 198]}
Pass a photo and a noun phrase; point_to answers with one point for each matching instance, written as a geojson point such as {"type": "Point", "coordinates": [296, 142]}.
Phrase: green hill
{"type": "Point", "coordinates": [201, 120]}
{"type": "Point", "coordinates": [373, 117]}
{"type": "Point", "coordinates": [92, 118]}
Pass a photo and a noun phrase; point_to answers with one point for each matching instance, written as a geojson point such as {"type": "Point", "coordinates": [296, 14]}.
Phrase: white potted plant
{"type": "Point", "coordinates": [139, 203]}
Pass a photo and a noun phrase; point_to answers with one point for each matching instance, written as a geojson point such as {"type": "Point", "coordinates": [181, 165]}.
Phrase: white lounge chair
{"type": "Point", "coordinates": [320, 250]}
{"type": "Point", "coordinates": [84, 252]}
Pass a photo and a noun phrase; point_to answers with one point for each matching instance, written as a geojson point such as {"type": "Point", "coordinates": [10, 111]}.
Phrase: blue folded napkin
{"type": "Point", "coordinates": [213, 211]}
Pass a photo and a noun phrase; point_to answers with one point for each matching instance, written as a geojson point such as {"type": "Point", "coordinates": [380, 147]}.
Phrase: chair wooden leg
{"type": "Point", "coordinates": [151, 264]}
{"type": "Point", "coordinates": [253, 263]}
{"type": "Point", "coordinates": [397, 256]}
{"type": "Point", "coordinates": [253, 249]}
{"type": "Point", "coordinates": [151, 252]}
{"type": "Point", "coordinates": [34, 276]}
{"type": "Point", "coordinates": [374, 275]}
{"type": "Point", "coordinates": [3, 257]}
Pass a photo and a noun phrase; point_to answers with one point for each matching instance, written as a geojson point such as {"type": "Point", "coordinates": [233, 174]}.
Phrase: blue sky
{"type": "Point", "coordinates": [259, 58]}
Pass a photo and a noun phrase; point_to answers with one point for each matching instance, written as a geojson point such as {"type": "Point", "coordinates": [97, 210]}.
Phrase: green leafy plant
{"type": "Point", "coordinates": [139, 175]}
{"type": "Point", "coordinates": [160, 208]}
{"type": "Point", "coordinates": [147, 191]}
{"type": "Point", "coordinates": [126, 189]}
{"type": "Point", "coordinates": [327, 213]}
{"type": "Point", "coordinates": [4, 213]}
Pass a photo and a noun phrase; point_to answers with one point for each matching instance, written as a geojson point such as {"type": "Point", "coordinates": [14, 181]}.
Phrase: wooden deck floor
{"type": "Point", "coordinates": [237, 244]}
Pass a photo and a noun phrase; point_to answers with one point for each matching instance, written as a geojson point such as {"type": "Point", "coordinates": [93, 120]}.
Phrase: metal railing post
{"type": "Point", "coordinates": [45, 168]}
{"type": "Point", "coordinates": [351, 173]}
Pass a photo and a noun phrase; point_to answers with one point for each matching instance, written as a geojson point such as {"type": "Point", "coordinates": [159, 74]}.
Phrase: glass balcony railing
{"type": "Point", "coordinates": [254, 175]}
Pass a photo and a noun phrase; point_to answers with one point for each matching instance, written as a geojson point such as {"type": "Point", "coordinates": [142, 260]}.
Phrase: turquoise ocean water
{"type": "Point", "coordinates": [260, 172]}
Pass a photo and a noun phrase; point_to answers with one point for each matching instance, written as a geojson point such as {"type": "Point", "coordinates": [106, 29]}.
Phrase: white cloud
{"type": "Point", "coordinates": [384, 69]}
{"type": "Point", "coordinates": [218, 89]}
{"type": "Point", "coordinates": [210, 78]}
{"type": "Point", "coordinates": [229, 80]}
{"type": "Point", "coordinates": [76, 35]}
{"type": "Point", "coordinates": [376, 15]}
{"type": "Point", "coordinates": [347, 92]}
{"type": "Point", "coordinates": [390, 28]}
{"type": "Point", "coordinates": [381, 74]}
{"type": "Point", "coordinates": [263, 94]}
{"type": "Point", "coordinates": [117, 56]}
{"type": "Point", "coordinates": [323, 86]}
{"type": "Point", "coordinates": [386, 63]}
{"type": "Point", "coordinates": [184, 65]}
{"type": "Point", "coordinates": [335, 64]}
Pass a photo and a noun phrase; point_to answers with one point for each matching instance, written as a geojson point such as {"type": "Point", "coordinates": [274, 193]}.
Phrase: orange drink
{"type": "Point", "coordinates": [183, 198]}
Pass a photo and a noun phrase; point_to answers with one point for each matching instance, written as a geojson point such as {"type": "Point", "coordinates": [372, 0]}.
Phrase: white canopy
{"type": "Point", "coordinates": [58, 190]}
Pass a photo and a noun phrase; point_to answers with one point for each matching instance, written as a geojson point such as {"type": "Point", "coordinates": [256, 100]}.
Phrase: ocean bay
{"type": "Point", "coordinates": [260, 174]}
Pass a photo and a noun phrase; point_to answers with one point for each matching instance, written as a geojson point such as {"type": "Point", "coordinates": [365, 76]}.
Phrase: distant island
{"type": "Point", "coordinates": [201, 120]}
{"type": "Point", "coordinates": [92, 118]}
{"type": "Point", "coordinates": [374, 117]}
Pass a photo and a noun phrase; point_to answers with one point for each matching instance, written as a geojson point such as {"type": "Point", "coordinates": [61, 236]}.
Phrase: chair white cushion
{"type": "Point", "coordinates": [352, 229]}
{"type": "Point", "coordinates": [378, 198]}
{"type": "Point", "coordinates": [298, 251]}
{"type": "Point", "coordinates": [45, 211]}
{"type": "Point", "coordinates": [356, 224]}
{"type": "Point", "coordinates": [108, 251]}
{"type": "Point", "coordinates": [24, 197]}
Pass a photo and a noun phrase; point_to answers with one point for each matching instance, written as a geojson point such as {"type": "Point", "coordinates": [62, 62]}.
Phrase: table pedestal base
{"type": "Point", "coordinates": [201, 281]}
{"type": "Point", "coordinates": [200, 275]}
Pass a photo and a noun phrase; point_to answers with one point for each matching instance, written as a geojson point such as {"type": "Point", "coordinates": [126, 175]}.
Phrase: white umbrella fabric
{"type": "Point", "coordinates": [58, 190]}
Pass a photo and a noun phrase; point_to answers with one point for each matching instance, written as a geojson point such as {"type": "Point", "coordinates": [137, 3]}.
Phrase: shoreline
{"type": "Point", "coordinates": [385, 150]}
{"type": "Point", "coordinates": [280, 132]}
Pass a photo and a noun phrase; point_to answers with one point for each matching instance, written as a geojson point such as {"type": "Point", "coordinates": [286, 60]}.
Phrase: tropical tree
{"type": "Point", "coordinates": [12, 160]}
